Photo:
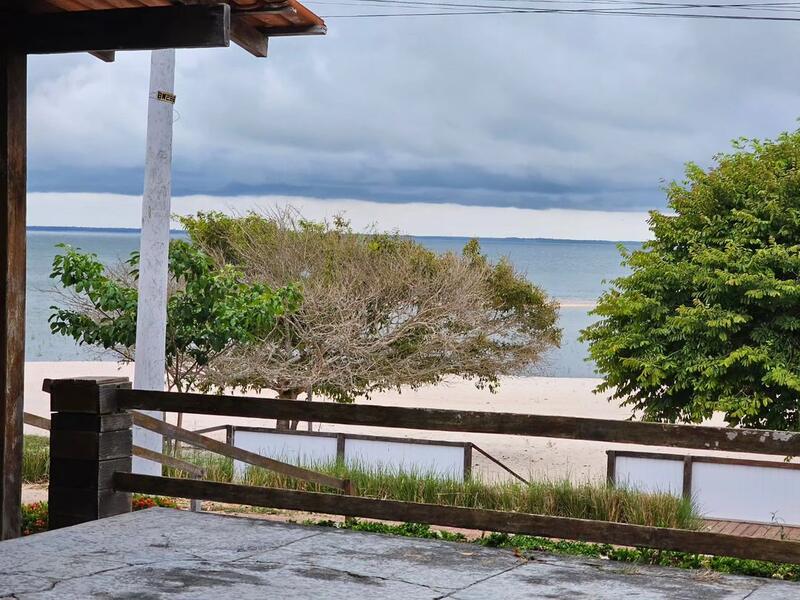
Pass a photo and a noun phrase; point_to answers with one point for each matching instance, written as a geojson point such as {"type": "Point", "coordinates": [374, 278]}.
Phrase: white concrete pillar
{"type": "Point", "coordinates": [151, 322]}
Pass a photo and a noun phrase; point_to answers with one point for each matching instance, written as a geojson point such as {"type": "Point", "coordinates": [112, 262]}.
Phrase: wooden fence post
{"type": "Point", "coordinates": [90, 440]}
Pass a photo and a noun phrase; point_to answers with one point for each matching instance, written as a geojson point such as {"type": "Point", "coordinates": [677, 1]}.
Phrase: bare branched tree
{"type": "Point", "coordinates": [379, 311]}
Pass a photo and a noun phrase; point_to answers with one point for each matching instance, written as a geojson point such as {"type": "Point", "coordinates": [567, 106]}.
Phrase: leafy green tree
{"type": "Point", "coordinates": [379, 310]}
{"type": "Point", "coordinates": [709, 317]}
{"type": "Point", "coordinates": [209, 310]}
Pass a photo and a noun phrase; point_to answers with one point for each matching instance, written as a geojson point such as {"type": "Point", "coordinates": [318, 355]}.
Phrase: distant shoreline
{"type": "Point", "coordinates": [118, 230]}
{"type": "Point", "coordinates": [576, 303]}
{"type": "Point", "coordinates": [136, 230]}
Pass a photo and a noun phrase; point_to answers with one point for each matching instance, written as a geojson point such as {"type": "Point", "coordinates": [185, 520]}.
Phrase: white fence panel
{"type": "Point", "coordinates": [288, 447]}
{"type": "Point", "coordinates": [310, 449]}
{"type": "Point", "coordinates": [747, 493]}
{"type": "Point", "coordinates": [735, 490]}
{"type": "Point", "coordinates": [443, 461]}
{"type": "Point", "coordinates": [650, 475]}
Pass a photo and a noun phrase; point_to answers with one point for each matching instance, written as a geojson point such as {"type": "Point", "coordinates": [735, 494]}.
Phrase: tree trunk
{"type": "Point", "coordinates": [286, 424]}
{"type": "Point", "coordinates": [310, 398]}
{"type": "Point", "coordinates": [176, 447]}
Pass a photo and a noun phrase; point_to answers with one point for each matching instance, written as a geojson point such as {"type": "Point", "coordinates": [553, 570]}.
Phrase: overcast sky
{"type": "Point", "coordinates": [534, 112]}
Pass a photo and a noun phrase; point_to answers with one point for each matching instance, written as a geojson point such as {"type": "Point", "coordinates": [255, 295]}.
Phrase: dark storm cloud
{"type": "Point", "coordinates": [513, 110]}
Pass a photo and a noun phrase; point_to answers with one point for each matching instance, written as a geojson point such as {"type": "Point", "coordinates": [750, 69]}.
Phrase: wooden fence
{"type": "Point", "coordinates": [106, 402]}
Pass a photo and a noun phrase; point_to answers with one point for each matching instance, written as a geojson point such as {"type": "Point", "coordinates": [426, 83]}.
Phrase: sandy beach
{"type": "Point", "coordinates": [535, 457]}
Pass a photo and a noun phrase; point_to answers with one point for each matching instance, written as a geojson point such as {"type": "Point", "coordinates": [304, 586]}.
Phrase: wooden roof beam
{"type": "Point", "coordinates": [248, 37]}
{"type": "Point", "coordinates": [108, 56]}
{"type": "Point", "coordinates": [243, 34]}
{"type": "Point", "coordinates": [120, 29]}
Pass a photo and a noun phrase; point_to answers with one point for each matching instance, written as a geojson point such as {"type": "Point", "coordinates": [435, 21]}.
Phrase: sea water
{"type": "Point", "coordinates": [574, 272]}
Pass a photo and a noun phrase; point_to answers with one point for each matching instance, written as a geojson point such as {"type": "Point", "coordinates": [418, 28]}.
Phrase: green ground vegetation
{"type": "Point", "coordinates": [526, 546]}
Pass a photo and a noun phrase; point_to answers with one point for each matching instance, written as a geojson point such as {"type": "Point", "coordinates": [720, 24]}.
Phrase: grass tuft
{"type": "Point", "coordinates": [587, 500]}
{"type": "Point", "coordinates": [35, 459]}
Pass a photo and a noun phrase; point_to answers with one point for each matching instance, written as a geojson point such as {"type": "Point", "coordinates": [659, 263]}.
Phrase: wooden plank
{"type": "Point", "coordinates": [36, 421]}
{"type": "Point", "coordinates": [729, 527]}
{"type": "Point", "coordinates": [120, 29]}
{"type": "Point", "coordinates": [687, 477]}
{"type": "Point", "coordinates": [495, 461]}
{"type": "Point", "coordinates": [164, 459]}
{"type": "Point", "coordinates": [296, 30]}
{"type": "Point", "coordinates": [93, 423]}
{"type": "Point", "coordinates": [739, 529]}
{"type": "Point", "coordinates": [611, 467]}
{"type": "Point", "coordinates": [89, 445]}
{"type": "Point", "coordinates": [783, 443]}
{"type": "Point", "coordinates": [69, 506]}
{"type": "Point", "coordinates": [249, 38]}
{"type": "Point", "coordinates": [85, 473]}
{"type": "Point", "coordinates": [244, 34]}
{"type": "Point", "coordinates": [47, 382]}
{"type": "Point", "coordinates": [13, 91]}
{"type": "Point", "coordinates": [169, 461]}
{"type": "Point", "coordinates": [105, 55]}
{"type": "Point", "coordinates": [349, 436]}
{"type": "Point", "coordinates": [469, 518]}
{"type": "Point", "coordinates": [749, 529]}
{"type": "Point", "coordinates": [88, 396]}
{"type": "Point", "coordinates": [340, 442]}
{"type": "Point", "coordinates": [251, 458]}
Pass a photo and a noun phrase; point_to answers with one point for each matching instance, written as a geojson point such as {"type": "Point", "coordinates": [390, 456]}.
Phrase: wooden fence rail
{"type": "Point", "coordinates": [623, 534]}
{"type": "Point", "coordinates": [111, 401]}
{"type": "Point", "coordinates": [251, 458]}
{"type": "Point", "coordinates": [781, 443]}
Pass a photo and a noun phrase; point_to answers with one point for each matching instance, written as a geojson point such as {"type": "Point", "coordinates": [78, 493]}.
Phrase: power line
{"type": "Point", "coordinates": [653, 8]}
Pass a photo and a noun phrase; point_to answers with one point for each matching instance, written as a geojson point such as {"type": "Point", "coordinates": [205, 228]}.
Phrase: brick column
{"type": "Point", "coordinates": [90, 440]}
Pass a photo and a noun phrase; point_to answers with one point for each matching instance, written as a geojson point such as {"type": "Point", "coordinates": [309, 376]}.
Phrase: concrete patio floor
{"type": "Point", "coordinates": [164, 553]}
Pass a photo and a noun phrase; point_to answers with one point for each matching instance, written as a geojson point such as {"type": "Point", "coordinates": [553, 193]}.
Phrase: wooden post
{"type": "Point", "coordinates": [611, 469]}
{"type": "Point", "coordinates": [13, 88]}
{"type": "Point", "coordinates": [687, 477]}
{"type": "Point", "coordinates": [90, 440]}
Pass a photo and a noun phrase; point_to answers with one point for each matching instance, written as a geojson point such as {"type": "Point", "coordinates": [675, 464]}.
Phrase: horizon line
{"type": "Point", "coordinates": [138, 230]}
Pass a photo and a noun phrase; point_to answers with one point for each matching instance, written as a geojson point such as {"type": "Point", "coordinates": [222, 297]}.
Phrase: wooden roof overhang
{"type": "Point", "coordinates": [104, 26]}
{"type": "Point", "coordinates": [101, 27]}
